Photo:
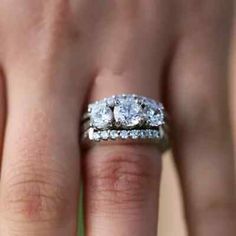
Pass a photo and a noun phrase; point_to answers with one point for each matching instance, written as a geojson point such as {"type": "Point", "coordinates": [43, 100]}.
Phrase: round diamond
{"type": "Point", "coordinates": [128, 113]}
{"type": "Point", "coordinates": [150, 133]}
{"type": "Point", "coordinates": [134, 134]}
{"type": "Point", "coordinates": [104, 135]}
{"type": "Point", "coordinates": [124, 134]}
{"type": "Point", "coordinates": [153, 113]}
{"type": "Point", "coordinates": [101, 115]}
{"type": "Point", "coordinates": [114, 134]}
{"type": "Point", "coordinates": [143, 133]}
{"type": "Point", "coordinates": [96, 136]}
{"type": "Point", "coordinates": [156, 134]}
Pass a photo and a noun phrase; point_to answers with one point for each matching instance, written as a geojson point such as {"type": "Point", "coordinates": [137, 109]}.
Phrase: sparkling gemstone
{"type": "Point", "coordinates": [101, 115]}
{"type": "Point", "coordinates": [128, 113]}
{"type": "Point", "coordinates": [104, 135]}
{"type": "Point", "coordinates": [153, 113]}
{"type": "Point", "coordinates": [142, 133]}
{"type": "Point", "coordinates": [96, 136]}
{"type": "Point", "coordinates": [114, 134]}
{"type": "Point", "coordinates": [110, 101]}
{"type": "Point", "coordinates": [124, 134]}
{"type": "Point", "coordinates": [134, 134]}
{"type": "Point", "coordinates": [147, 133]}
{"type": "Point", "coordinates": [150, 133]}
{"type": "Point", "coordinates": [156, 134]}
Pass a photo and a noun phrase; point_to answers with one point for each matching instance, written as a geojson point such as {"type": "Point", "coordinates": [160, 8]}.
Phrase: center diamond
{"type": "Point", "coordinates": [128, 113]}
{"type": "Point", "coordinates": [101, 116]}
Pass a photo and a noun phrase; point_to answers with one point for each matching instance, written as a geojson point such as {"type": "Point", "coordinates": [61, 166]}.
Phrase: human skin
{"type": "Point", "coordinates": [233, 83]}
{"type": "Point", "coordinates": [58, 55]}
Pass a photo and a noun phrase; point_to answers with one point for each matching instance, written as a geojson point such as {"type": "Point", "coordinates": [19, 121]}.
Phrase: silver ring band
{"type": "Point", "coordinates": [124, 117]}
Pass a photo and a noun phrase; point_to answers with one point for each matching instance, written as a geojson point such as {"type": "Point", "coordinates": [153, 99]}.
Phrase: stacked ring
{"type": "Point", "coordinates": [126, 116]}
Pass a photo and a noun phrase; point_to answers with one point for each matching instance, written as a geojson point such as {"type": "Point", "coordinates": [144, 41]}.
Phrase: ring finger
{"type": "Point", "coordinates": [122, 181]}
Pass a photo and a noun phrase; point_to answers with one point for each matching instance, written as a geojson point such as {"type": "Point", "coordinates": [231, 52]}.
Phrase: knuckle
{"type": "Point", "coordinates": [200, 119]}
{"type": "Point", "coordinates": [122, 179]}
{"type": "Point", "coordinates": [35, 195]}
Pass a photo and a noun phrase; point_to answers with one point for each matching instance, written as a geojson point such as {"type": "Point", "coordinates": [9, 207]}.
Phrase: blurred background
{"type": "Point", "coordinates": [171, 220]}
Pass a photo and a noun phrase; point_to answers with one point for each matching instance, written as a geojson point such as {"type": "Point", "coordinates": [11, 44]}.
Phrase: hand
{"type": "Point", "coordinates": [56, 56]}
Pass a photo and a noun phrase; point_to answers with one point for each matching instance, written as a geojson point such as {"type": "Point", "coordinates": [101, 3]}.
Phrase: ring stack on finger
{"type": "Point", "coordinates": [126, 117]}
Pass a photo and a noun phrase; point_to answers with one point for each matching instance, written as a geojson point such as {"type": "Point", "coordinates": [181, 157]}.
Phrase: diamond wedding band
{"type": "Point", "coordinates": [124, 117]}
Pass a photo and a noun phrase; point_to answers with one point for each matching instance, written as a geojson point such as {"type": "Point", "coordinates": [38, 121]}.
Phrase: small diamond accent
{"type": "Point", "coordinates": [143, 133]}
{"type": "Point", "coordinates": [156, 134]}
{"type": "Point", "coordinates": [96, 136]}
{"type": "Point", "coordinates": [134, 134]}
{"type": "Point", "coordinates": [149, 133]}
{"type": "Point", "coordinates": [124, 134]}
{"type": "Point", "coordinates": [114, 134]}
{"type": "Point", "coordinates": [104, 135]}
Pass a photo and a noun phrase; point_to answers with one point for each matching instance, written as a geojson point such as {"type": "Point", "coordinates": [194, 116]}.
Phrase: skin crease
{"type": "Point", "coordinates": [57, 55]}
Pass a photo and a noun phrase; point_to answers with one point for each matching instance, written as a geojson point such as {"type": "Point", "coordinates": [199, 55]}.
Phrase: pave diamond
{"type": "Point", "coordinates": [134, 134]}
{"type": "Point", "coordinates": [124, 134]}
{"type": "Point", "coordinates": [101, 116]}
{"type": "Point", "coordinates": [128, 113]}
{"type": "Point", "coordinates": [143, 133]}
{"type": "Point", "coordinates": [156, 134]}
{"type": "Point", "coordinates": [96, 136]}
{"type": "Point", "coordinates": [114, 134]}
{"type": "Point", "coordinates": [151, 133]}
{"type": "Point", "coordinates": [104, 135]}
{"type": "Point", "coordinates": [148, 133]}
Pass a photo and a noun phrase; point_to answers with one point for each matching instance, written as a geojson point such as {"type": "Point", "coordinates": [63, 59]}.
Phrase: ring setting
{"type": "Point", "coordinates": [126, 116]}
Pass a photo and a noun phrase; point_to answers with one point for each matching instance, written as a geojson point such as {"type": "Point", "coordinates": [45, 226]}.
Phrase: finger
{"type": "Point", "coordinates": [122, 181]}
{"type": "Point", "coordinates": [122, 189]}
{"type": "Point", "coordinates": [40, 172]}
{"type": "Point", "coordinates": [203, 146]}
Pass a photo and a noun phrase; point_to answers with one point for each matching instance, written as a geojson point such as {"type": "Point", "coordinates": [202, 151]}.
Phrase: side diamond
{"type": "Point", "coordinates": [153, 113]}
{"type": "Point", "coordinates": [101, 115]}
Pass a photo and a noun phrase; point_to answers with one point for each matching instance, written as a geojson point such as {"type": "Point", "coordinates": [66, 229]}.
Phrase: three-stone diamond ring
{"type": "Point", "coordinates": [126, 117]}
